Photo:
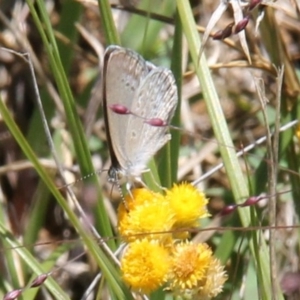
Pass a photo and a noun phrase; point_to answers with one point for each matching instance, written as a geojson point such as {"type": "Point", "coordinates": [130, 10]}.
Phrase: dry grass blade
{"type": "Point", "coordinates": [238, 16]}
{"type": "Point", "coordinates": [211, 24]}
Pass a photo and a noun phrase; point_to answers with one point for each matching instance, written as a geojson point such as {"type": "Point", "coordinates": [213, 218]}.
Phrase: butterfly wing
{"type": "Point", "coordinates": [123, 71]}
{"type": "Point", "coordinates": [156, 97]}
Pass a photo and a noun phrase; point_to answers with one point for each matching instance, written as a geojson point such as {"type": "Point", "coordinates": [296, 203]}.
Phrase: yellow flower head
{"type": "Point", "coordinates": [215, 279]}
{"type": "Point", "coordinates": [138, 197]}
{"type": "Point", "coordinates": [147, 213]}
{"type": "Point", "coordinates": [145, 265]}
{"type": "Point", "coordinates": [188, 204]}
{"type": "Point", "coordinates": [190, 263]}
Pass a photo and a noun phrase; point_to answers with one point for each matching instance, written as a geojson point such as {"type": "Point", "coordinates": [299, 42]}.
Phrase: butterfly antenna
{"type": "Point", "coordinates": [82, 178]}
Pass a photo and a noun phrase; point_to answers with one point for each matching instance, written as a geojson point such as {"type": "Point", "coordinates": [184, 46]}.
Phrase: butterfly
{"type": "Point", "coordinates": [147, 95]}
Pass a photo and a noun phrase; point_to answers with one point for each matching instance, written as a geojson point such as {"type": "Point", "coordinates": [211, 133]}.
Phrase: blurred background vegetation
{"type": "Point", "coordinates": [246, 45]}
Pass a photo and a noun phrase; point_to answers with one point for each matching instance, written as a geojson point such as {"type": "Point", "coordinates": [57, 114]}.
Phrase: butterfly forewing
{"type": "Point", "coordinates": [148, 92]}
{"type": "Point", "coordinates": [122, 73]}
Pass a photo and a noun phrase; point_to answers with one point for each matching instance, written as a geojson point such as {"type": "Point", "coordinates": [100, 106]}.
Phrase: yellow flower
{"type": "Point", "coordinates": [149, 216]}
{"type": "Point", "coordinates": [138, 197]}
{"type": "Point", "coordinates": [190, 263]}
{"type": "Point", "coordinates": [215, 279]}
{"type": "Point", "coordinates": [188, 204]}
{"type": "Point", "coordinates": [145, 265]}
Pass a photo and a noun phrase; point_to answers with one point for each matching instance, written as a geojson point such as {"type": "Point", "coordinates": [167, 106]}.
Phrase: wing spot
{"type": "Point", "coordinates": [128, 85]}
{"type": "Point", "coordinates": [133, 134]}
{"type": "Point", "coordinates": [152, 99]}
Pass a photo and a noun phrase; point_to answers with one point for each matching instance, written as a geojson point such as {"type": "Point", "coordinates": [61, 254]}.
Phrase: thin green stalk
{"type": "Point", "coordinates": [108, 270]}
{"type": "Point", "coordinates": [235, 175]}
{"type": "Point", "coordinates": [82, 151]}
{"type": "Point", "coordinates": [169, 161]}
{"type": "Point", "coordinates": [112, 37]}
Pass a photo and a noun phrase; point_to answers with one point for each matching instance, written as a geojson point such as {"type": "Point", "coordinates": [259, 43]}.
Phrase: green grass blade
{"type": "Point", "coordinates": [235, 175]}
{"type": "Point", "coordinates": [82, 152]}
{"type": "Point", "coordinates": [112, 37]}
{"type": "Point", "coordinates": [109, 271]}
